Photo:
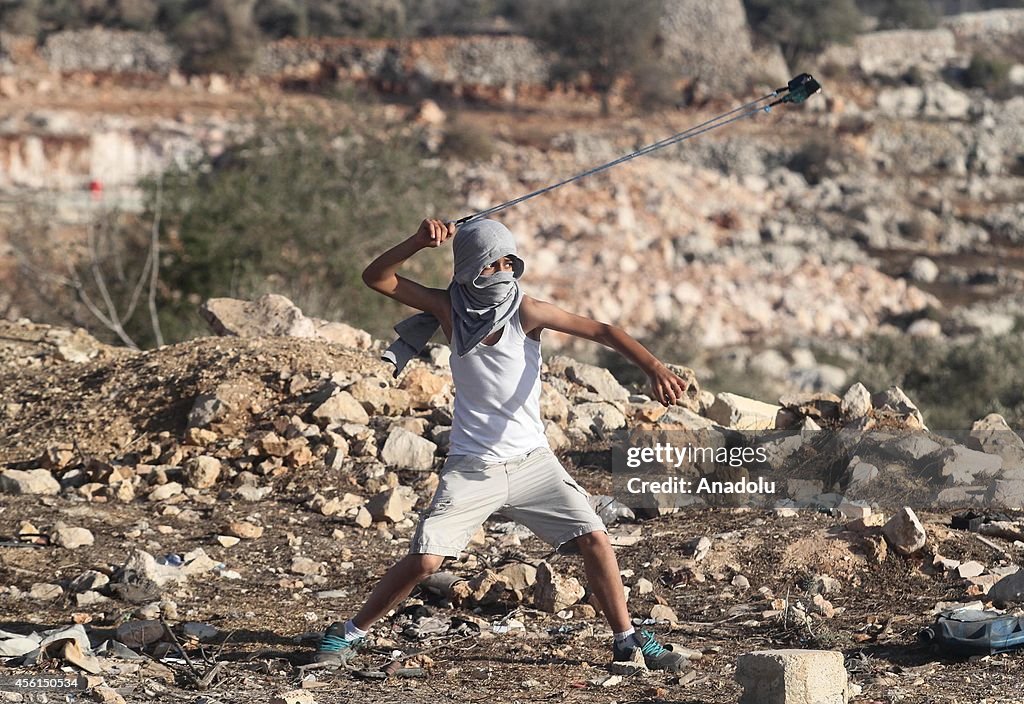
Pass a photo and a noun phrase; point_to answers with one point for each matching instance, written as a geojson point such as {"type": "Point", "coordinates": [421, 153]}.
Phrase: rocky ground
{"type": "Point", "coordinates": [247, 491]}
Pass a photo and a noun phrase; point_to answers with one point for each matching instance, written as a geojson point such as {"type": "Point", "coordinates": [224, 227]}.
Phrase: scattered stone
{"type": "Point", "coordinates": [342, 407]}
{"type": "Point", "coordinates": [406, 450]}
{"type": "Point", "coordinates": [973, 568]}
{"type": "Point", "coordinates": [28, 481]}
{"type": "Point", "coordinates": [162, 492]}
{"type": "Point", "coordinates": [42, 591]}
{"type": "Point", "coordinates": [734, 411]}
{"type": "Point", "coordinates": [792, 677]}
{"type": "Point", "coordinates": [228, 541]}
{"type": "Point", "coordinates": [393, 504]}
{"type": "Point", "coordinates": [307, 566]}
{"type": "Point", "coordinates": [643, 586]}
{"type": "Point", "coordinates": [1008, 493]}
{"type": "Point", "coordinates": [894, 401]}
{"type": "Point", "coordinates": [71, 538]}
{"type": "Point", "coordinates": [856, 402]}
{"type": "Point", "coordinates": [598, 380]}
{"type": "Point", "coordinates": [199, 631]}
{"type": "Point", "coordinates": [905, 532]}
{"type": "Point", "coordinates": [960, 465]}
{"type": "Point", "coordinates": [518, 577]}
{"type": "Point", "coordinates": [245, 530]}
{"type": "Point", "coordinates": [992, 434]}
{"type": "Point", "coordinates": [596, 418]}
{"type": "Point", "coordinates": [423, 386]}
{"type": "Point", "coordinates": [554, 592]}
{"type": "Point", "coordinates": [822, 606]}
{"type": "Point", "coordinates": [293, 696]}
{"type": "Point", "coordinates": [861, 474]}
{"type": "Point", "coordinates": [88, 580]}
{"type": "Point", "coordinates": [202, 472]}
{"type": "Point", "coordinates": [660, 612]}
{"type": "Point", "coordinates": [923, 270]}
{"type": "Point", "coordinates": [740, 582]}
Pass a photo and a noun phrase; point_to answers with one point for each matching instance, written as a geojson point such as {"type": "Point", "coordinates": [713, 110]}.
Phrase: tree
{"type": "Point", "coordinates": [904, 14]}
{"type": "Point", "coordinates": [604, 38]}
{"type": "Point", "coordinates": [106, 281]}
{"type": "Point", "coordinates": [299, 211]}
{"type": "Point", "coordinates": [803, 28]}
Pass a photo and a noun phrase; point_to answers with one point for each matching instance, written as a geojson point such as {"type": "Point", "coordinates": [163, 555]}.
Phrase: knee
{"type": "Point", "coordinates": [593, 541]}
{"type": "Point", "coordinates": [425, 565]}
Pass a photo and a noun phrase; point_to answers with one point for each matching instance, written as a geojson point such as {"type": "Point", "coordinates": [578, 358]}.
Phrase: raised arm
{"type": "Point", "coordinates": [381, 275]}
{"type": "Point", "coordinates": [666, 386]}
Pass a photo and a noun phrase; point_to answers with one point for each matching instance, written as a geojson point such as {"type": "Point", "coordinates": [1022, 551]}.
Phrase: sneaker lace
{"type": "Point", "coordinates": [652, 647]}
{"type": "Point", "coordinates": [330, 643]}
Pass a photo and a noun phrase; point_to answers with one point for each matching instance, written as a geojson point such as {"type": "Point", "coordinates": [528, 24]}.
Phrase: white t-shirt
{"type": "Point", "coordinates": [497, 397]}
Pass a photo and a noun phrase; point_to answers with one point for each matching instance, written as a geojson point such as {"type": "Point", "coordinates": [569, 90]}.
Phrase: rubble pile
{"type": "Point", "coordinates": [297, 464]}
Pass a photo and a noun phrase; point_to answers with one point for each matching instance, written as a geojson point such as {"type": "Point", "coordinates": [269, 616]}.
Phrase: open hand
{"type": "Point", "coordinates": [434, 233]}
{"type": "Point", "coordinates": [668, 388]}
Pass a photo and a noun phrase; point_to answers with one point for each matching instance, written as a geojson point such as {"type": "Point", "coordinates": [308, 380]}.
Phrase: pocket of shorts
{"type": "Point", "coordinates": [577, 487]}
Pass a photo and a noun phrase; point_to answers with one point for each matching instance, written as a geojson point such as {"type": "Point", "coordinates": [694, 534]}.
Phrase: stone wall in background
{"type": "Point", "coordinates": [110, 51]}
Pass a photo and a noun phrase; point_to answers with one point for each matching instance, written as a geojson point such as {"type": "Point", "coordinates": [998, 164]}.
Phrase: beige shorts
{"type": "Point", "coordinates": [532, 489]}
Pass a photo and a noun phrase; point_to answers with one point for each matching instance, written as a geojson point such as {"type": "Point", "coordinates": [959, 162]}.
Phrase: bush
{"type": "Point", "coordinates": [953, 384]}
{"type": "Point", "coordinates": [300, 212]}
{"type": "Point", "coordinates": [606, 39]}
{"type": "Point", "coordinates": [803, 28]}
{"type": "Point", "coordinates": [987, 72]}
{"type": "Point", "coordinates": [902, 14]}
{"type": "Point", "coordinates": [816, 160]}
{"type": "Point", "coordinates": [467, 142]}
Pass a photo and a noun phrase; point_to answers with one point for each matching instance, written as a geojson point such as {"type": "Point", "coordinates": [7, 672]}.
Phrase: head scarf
{"type": "Point", "coordinates": [480, 304]}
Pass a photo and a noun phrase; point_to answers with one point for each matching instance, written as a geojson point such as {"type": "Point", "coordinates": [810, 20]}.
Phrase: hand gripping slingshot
{"type": "Point", "coordinates": [796, 91]}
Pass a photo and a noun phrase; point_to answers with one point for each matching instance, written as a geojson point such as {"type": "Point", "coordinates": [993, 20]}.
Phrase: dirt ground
{"type": "Point", "coordinates": [127, 407]}
{"type": "Point", "coordinates": [266, 618]}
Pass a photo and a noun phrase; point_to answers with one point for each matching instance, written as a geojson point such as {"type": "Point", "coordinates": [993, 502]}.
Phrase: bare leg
{"type": "Point", "coordinates": [394, 586]}
{"type": "Point", "coordinates": [603, 578]}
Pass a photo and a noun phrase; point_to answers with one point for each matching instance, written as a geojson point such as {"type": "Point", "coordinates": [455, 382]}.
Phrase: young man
{"type": "Point", "coordinates": [499, 457]}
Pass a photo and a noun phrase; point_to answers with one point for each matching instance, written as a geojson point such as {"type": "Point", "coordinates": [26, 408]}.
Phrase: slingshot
{"type": "Point", "coordinates": [796, 91]}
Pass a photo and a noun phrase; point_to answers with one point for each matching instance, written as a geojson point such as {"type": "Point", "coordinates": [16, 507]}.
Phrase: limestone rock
{"type": "Point", "coordinates": [905, 532]}
{"type": "Point", "coordinates": [407, 450]}
{"type": "Point", "coordinates": [856, 402]}
{"type": "Point", "coordinates": [554, 592]}
{"type": "Point", "coordinates": [71, 537]}
{"type": "Point", "coordinates": [734, 411]}
{"type": "Point", "coordinates": [392, 505]}
{"type": "Point", "coordinates": [342, 407]}
{"type": "Point", "coordinates": [28, 481]}
{"type": "Point", "coordinates": [202, 472]}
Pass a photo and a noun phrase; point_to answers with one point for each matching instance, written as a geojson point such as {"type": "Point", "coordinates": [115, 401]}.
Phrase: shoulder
{"type": "Point", "coordinates": [531, 314]}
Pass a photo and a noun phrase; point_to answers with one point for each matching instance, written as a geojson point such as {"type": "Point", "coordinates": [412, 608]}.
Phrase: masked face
{"type": "Point", "coordinates": [505, 264]}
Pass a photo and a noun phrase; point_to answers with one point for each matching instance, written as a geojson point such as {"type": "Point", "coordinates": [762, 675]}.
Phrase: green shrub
{"type": "Point", "coordinates": [300, 212]}
{"type": "Point", "coordinates": [953, 384]}
{"type": "Point", "coordinates": [467, 142]}
{"type": "Point", "coordinates": [803, 28]}
{"type": "Point", "coordinates": [816, 159]}
{"type": "Point", "coordinates": [990, 73]}
{"type": "Point", "coordinates": [606, 39]}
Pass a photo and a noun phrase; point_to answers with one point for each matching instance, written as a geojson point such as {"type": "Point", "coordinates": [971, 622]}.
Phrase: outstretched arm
{"type": "Point", "coordinates": [666, 386]}
{"type": "Point", "coordinates": [381, 275]}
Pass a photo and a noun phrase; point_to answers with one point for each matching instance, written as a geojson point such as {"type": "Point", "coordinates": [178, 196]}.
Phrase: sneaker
{"type": "Point", "coordinates": [655, 655]}
{"type": "Point", "coordinates": [335, 648]}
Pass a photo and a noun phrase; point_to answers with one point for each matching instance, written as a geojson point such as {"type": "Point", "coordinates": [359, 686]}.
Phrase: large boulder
{"type": "Point", "coordinates": [273, 315]}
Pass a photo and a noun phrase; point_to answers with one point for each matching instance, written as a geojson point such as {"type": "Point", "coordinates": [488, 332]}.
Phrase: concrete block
{"type": "Point", "coordinates": [792, 677]}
